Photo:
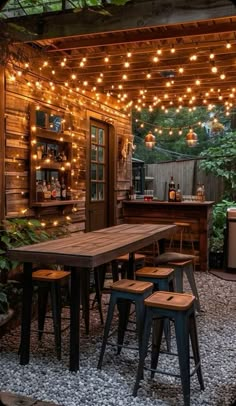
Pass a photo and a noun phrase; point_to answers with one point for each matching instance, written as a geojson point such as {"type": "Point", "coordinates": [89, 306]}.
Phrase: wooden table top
{"type": "Point", "coordinates": [94, 248]}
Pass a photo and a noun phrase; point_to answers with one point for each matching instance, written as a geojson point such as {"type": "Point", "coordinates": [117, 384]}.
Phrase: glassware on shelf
{"type": "Point", "coordinates": [148, 195]}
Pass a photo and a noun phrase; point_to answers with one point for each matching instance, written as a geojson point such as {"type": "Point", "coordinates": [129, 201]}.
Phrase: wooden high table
{"type": "Point", "coordinates": [81, 252]}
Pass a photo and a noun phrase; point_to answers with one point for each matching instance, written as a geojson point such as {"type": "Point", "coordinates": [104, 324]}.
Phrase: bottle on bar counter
{"type": "Point", "coordinates": [171, 190]}
{"type": "Point", "coordinates": [178, 194]}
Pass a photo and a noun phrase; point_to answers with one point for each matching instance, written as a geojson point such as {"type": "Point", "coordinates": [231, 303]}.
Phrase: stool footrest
{"type": "Point", "coordinates": [160, 371]}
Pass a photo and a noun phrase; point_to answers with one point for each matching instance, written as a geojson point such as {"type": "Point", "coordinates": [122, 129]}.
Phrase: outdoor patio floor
{"type": "Point", "coordinates": [45, 378]}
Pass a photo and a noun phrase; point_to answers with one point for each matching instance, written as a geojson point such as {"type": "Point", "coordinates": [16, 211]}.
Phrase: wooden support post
{"type": "Point", "coordinates": [2, 142]}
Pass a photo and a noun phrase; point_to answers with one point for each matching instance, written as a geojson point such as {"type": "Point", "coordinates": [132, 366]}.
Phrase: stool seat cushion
{"type": "Point", "coordinates": [170, 300]}
{"type": "Point", "coordinates": [172, 256]}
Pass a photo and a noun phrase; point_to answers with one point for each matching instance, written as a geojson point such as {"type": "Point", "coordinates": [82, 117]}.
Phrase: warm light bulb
{"type": "Point", "coordinates": [214, 69]}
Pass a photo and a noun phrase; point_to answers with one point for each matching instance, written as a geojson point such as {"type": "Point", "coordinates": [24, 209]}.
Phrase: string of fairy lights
{"type": "Point", "coordinates": [74, 76]}
{"type": "Point", "coordinates": [43, 80]}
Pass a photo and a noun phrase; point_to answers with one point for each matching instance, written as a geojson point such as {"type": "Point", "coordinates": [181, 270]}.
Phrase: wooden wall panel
{"type": "Point", "coordinates": [19, 99]}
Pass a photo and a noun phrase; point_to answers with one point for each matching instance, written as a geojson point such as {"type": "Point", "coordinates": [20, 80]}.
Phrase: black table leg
{"type": "Point", "coordinates": [85, 288]}
{"type": "Point", "coordinates": [131, 266]}
{"type": "Point", "coordinates": [75, 320]}
{"type": "Point", "coordinates": [26, 314]}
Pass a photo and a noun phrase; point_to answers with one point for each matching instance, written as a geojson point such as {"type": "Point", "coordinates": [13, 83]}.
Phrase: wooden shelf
{"type": "Point", "coordinates": [51, 165]}
{"type": "Point", "coordinates": [55, 203]}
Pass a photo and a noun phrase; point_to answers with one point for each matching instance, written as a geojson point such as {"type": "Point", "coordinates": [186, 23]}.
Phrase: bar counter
{"type": "Point", "coordinates": [198, 214]}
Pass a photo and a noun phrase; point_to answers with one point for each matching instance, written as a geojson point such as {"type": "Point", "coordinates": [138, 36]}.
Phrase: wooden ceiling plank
{"type": "Point", "coordinates": [141, 36]}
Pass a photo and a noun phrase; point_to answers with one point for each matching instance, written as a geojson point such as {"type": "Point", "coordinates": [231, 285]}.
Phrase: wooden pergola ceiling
{"type": "Point", "coordinates": [152, 65]}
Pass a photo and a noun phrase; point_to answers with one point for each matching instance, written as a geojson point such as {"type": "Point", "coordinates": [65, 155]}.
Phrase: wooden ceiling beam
{"type": "Point", "coordinates": [143, 35]}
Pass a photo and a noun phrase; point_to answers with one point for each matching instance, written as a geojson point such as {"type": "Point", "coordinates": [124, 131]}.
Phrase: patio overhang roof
{"type": "Point", "coordinates": [146, 53]}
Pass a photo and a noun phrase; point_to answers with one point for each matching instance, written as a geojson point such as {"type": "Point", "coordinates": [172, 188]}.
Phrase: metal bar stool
{"type": "Point", "coordinates": [50, 281]}
{"type": "Point", "coordinates": [121, 264]}
{"type": "Point", "coordinates": [182, 263]}
{"type": "Point", "coordinates": [180, 308]}
{"type": "Point", "coordinates": [123, 292]}
{"type": "Point", "coordinates": [183, 229]}
{"type": "Point", "coordinates": [162, 279]}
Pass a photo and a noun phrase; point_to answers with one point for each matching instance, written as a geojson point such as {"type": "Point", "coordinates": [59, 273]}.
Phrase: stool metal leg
{"type": "Point", "coordinates": [107, 328]}
{"type": "Point", "coordinates": [179, 279]}
{"type": "Point", "coordinates": [182, 339]}
{"type": "Point", "coordinates": [98, 295]}
{"type": "Point", "coordinates": [123, 306]}
{"type": "Point", "coordinates": [195, 348]}
{"type": "Point", "coordinates": [190, 275]}
{"type": "Point", "coordinates": [56, 313]}
{"type": "Point", "coordinates": [140, 312]}
{"type": "Point", "coordinates": [157, 333]}
{"type": "Point", "coordinates": [42, 308]}
{"type": "Point", "coordinates": [164, 284]}
{"type": "Point", "coordinates": [144, 349]}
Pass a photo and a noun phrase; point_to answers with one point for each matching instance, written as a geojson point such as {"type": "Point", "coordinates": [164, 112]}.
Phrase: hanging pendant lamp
{"type": "Point", "coordinates": [191, 138]}
{"type": "Point", "coordinates": [150, 140]}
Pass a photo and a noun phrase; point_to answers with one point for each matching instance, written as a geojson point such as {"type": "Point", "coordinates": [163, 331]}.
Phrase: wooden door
{"type": "Point", "coordinates": [98, 188]}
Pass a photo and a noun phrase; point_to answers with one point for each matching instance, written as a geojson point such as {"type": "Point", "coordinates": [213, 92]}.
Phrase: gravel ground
{"type": "Point", "coordinates": [46, 378]}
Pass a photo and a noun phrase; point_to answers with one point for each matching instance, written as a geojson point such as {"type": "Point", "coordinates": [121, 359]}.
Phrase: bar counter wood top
{"type": "Point", "coordinates": [198, 214]}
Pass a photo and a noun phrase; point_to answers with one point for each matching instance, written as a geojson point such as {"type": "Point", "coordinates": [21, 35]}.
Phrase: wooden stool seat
{"type": "Point", "coordinates": [170, 300]}
{"type": "Point", "coordinates": [131, 286]}
{"type": "Point", "coordinates": [153, 272]}
{"type": "Point", "coordinates": [125, 258]}
{"type": "Point", "coordinates": [47, 275]}
{"type": "Point", "coordinates": [180, 224]}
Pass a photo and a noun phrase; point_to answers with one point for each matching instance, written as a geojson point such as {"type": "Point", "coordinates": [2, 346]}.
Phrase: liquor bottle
{"type": "Point", "coordinates": [58, 189]}
{"type": "Point", "coordinates": [63, 189]}
{"type": "Point", "coordinates": [53, 189]}
{"type": "Point", "coordinates": [199, 192]}
{"type": "Point", "coordinates": [45, 190]}
{"type": "Point", "coordinates": [203, 193]}
{"type": "Point", "coordinates": [178, 194]}
{"type": "Point", "coordinates": [171, 191]}
{"type": "Point", "coordinates": [39, 191]}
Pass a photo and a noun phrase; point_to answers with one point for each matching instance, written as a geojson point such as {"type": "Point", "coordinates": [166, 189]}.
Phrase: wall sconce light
{"type": "Point", "coordinates": [191, 138]}
{"type": "Point", "coordinates": [150, 140]}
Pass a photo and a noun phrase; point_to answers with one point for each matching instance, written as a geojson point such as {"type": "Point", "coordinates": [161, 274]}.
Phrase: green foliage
{"type": "Point", "coordinates": [16, 233]}
{"type": "Point", "coordinates": [219, 159]}
{"type": "Point", "coordinates": [4, 305]}
{"type": "Point", "coordinates": [219, 216]}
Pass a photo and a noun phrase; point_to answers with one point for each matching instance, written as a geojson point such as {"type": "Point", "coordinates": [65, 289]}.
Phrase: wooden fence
{"type": "Point", "coordinates": [185, 172]}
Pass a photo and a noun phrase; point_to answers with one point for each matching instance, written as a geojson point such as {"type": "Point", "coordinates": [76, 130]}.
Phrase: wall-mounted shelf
{"type": "Point", "coordinates": [53, 162]}
{"type": "Point", "coordinates": [55, 203]}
